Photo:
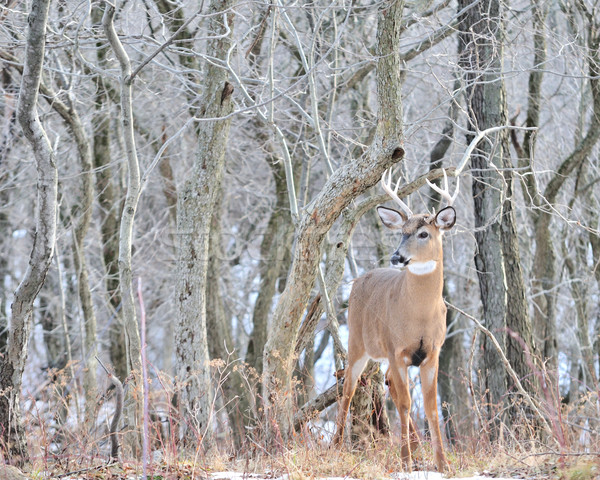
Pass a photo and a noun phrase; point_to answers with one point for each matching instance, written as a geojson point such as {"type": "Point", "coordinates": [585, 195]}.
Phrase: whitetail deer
{"type": "Point", "coordinates": [398, 315]}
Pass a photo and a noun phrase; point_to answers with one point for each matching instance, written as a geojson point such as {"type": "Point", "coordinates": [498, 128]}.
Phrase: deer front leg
{"type": "Point", "coordinates": [354, 369]}
{"type": "Point", "coordinates": [398, 374]}
{"type": "Point", "coordinates": [412, 431]}
{"type": "Point", "coordinates": [429, 373]}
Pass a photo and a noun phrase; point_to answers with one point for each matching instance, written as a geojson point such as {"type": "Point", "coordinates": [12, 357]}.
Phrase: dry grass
{"type": "Point", "coordinates": [521, 451]}
{"type": "Point", "coordinates": [307, 458]}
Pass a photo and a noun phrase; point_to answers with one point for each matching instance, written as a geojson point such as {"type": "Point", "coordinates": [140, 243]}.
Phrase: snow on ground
{"type": "Point", "coordinates": [394, 476]}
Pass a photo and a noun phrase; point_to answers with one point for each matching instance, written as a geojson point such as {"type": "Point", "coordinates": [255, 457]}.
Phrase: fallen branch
{"type": "Point", "coordinates": [317, 404]}
{"type": "Point", "coordinates": [114, 441]}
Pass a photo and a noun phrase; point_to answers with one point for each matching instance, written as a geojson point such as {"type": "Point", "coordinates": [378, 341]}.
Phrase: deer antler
{"type": "Point", "coordinates": [444, 192]}
{"type": "Point", "coordinates": [386, 184]}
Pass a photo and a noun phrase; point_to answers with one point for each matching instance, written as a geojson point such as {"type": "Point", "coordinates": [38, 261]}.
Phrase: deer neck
{"type": "Point", "coordinates": [428, 276]}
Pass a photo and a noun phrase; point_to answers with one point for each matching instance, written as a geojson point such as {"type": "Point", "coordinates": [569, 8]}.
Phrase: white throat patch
{"type": "Point", "coordinates": [422, 268]}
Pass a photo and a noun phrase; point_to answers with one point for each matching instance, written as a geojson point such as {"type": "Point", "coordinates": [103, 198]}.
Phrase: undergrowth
{"type": "Point", "coordinates": [308, 458]}
{"type": "Point", "coordinates": [62, 447]}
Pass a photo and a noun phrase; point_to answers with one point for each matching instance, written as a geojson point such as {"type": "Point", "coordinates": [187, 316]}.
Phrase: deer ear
{"type": "Point", "coordinates": [445, 218]}
{"type": "Point", "coordinates": [391, 218]}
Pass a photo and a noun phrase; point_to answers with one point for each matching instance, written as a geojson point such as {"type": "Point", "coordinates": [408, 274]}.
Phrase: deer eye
{"type": "Point", "coordinates": [423, 235]}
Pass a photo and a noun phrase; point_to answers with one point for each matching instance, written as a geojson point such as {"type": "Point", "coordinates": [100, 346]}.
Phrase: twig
{"type": "Point", "coordinates": [160, 48]}
{"type": "Point", "coordinates": [467, 155]}
{"type": "Point", "coordinates": [114, 441]}
{"type": "Point", "coordinates": [508, 367]}
{"type": "Point", "coordinates": [77, 472]}
{"type": "Point", "coordinates": [471, 387]}
{"type": "Point", "coordinates": [144, 380]}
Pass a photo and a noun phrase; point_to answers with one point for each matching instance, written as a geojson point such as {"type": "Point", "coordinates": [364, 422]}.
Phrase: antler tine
{"type": "Point", "coordinates": [386, 184]}
{"type": "Point", "coordinates": [444, 192]}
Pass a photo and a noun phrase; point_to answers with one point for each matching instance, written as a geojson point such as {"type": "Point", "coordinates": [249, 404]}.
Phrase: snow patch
{"type": "Point", "coordinates": [393, 476]}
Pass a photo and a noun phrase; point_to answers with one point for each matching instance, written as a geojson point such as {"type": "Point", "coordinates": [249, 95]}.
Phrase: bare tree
{"type": "Point", "coordinates": [543, 199]}
{"type": "Point", "coordinates": [195, 209]}
{"type": "Point", "coordinates": [13, 363]}
{"type": "Point", "coordinates": [497, 257]}
{"type": "Point", "coordinates": [346, 184]}
{"type": "Point", "coordinates": [109, 201]}
{"type": "Point", "coordinates": [132, 335]}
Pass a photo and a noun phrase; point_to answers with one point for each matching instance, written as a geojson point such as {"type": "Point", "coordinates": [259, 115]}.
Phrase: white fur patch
{"type": "Point", "coordinates": [422, 268]}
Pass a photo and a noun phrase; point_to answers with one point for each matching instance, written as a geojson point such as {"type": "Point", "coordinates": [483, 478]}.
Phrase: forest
{"type": "Point", "coordinates": [188, 194]}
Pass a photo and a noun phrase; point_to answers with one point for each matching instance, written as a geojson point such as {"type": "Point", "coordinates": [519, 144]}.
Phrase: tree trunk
{"type": "Point", "coordinates": [544, 263]}
{"type": "Point", "coordinates": [133, 344]}
{"type": "Point", "coordinates": [480, 48]}
{"type": "Point", "coordinates": [521, 348]}
{"type": "Point", "coordinates": [451, 387]}
{"type": "Point", "coordinates": [543, 274]}
{"type": "Point", "coordinates": [274, 250]}
{"type": "Point", "coordinates": [82, 216]}
{"type": "Point", "coordinates": [221, 345]}
{"type": "Point", "coordinates": [195, 208]}
{"type": "Point", "coordinates": [132, 334]}
{"type": "Point", "coordinates": [13, 363]}
{"type": "Point", "coordinates": [9, 89]}
{"type": "Point", "coordinates": [367, 409]}
{"type": "Point", "coordinates": [110, 212]}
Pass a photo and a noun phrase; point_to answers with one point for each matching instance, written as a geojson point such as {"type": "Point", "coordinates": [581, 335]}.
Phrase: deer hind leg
{"type": "Point", "coordinates": [429, 373]}
{"type": "Point", "coordinates": [354, 369]}
{"type": "Point", "coordinates": [398, 377]}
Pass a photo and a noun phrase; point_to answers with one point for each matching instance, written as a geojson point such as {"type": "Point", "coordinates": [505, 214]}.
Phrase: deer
{"type": "Point", "coordinates": [398, 314]}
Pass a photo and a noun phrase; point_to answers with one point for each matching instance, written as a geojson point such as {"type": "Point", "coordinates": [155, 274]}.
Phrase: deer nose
{"type": "Point", "coordinates": [398, 259]}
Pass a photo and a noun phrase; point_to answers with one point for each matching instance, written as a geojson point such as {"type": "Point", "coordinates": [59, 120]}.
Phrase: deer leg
{"type": "Point", "coordinates": [429, 373]}
{"type": "Point", "coordinates": [398, 374]}
{"type": "Point", "coordinates": [413, 435]}
{"type": "Point", "coordinates": [354, 369]}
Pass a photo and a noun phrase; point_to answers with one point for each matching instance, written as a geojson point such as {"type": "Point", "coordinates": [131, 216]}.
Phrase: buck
{"type": "Point", "coordinates": [398, 314]}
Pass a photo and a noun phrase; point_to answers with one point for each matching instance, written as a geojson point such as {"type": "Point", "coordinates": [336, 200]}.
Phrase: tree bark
{"type": "Point", "coordinates": [518, 321]}
{"type": "Point", "coordinates": [13, 363]}
{"type": "Point", "coordinates": [221, 345]}
{"type": "Point", "coordinates": [9, 120]}
{"type": "Point", "coordinates": [82, 215]}
{"type": "Point", "coordinates": [368, 415]}
{"type": "Point", "coordinates": [195, 208]}
{"type": "Point", "coordinates": [132, 334]}
{"type": "Point", "coordinates": [110, 212]}
{"type": "Point", "coordinates": [110, 209]}
{"type": "Point", "coordinates": [480, 49]}
{"type": "Point", "coordinates": [543, 274]}
{"type": "Point", "coordinates": [274, 250]}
